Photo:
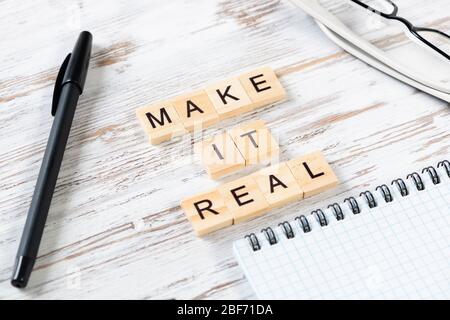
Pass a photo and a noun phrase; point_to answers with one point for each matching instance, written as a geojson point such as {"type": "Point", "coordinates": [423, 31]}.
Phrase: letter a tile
{"type": "Point", "coordinates": [278, 185]}
{"type": "Point", "coordinates": [196, 110]}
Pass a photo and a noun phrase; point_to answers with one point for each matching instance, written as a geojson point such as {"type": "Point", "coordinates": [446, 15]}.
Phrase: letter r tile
{"type": "Point", "coordinates": [160, 121]}
{"type": "Point", "coordinates": [207, 212]}
{"type": "Point", "coordinates": [229, 98]}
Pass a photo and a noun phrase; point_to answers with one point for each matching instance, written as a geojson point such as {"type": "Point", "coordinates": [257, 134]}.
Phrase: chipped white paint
{"type": "Point", "coordinates": [115, 229]}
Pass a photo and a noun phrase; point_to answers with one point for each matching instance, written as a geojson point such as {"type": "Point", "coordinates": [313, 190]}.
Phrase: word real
{"type": "Point", "coordinates": [247, 144]}
{"type": "Point", "coordinates": [203, 108]}
{"type": "Point", "coordinates": [255, 194]}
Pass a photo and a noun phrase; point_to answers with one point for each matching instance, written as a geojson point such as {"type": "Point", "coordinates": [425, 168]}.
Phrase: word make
{"type": "Point", "coordinates": [200, 109]}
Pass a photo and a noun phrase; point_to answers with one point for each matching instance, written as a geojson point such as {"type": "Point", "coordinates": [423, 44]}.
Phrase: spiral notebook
{"type": "Point", "coordinates": [392, 242]}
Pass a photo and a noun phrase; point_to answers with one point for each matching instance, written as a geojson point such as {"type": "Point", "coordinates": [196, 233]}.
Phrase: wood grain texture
{"type": "Point", "coordinates": [115, 228]}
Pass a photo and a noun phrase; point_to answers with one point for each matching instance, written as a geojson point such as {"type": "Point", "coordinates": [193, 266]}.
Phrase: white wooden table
{"type": "Point", "coordinates": [115, 228]}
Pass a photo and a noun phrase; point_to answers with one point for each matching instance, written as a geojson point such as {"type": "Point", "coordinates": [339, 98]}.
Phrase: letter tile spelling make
{"type": "Point", "coordinates": [229, 98]}
{"type": "Point", "coordinates": [160, 121]}
{"type": "Point", "coordinates": [203, 108]}
{"type": "Point", "coordinates": [196, 110]}
{"type": "Point", "coordinates": [262, 86]}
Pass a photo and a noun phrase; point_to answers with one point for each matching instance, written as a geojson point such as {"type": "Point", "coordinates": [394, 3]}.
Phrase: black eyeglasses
{"type": "Point", "coordinates": [427, 36]}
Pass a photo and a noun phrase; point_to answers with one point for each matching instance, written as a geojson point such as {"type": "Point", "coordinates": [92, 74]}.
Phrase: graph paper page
{"type": "Point", "coordinates": [398, 250]}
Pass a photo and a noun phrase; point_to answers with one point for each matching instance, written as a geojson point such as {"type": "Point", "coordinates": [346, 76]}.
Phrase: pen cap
{"type": "Point", "coordinates": [78, 64]}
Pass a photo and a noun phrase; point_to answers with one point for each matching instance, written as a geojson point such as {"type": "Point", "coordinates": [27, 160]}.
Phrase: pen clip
{"type": "Point", "coordinates": [58, 84]}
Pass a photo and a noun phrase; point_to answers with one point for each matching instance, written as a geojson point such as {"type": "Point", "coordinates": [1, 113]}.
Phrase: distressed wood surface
{"type": "Point", "coordinates": [115, 228]}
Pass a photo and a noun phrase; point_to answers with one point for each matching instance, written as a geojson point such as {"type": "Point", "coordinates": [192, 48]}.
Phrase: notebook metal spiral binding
{"type": "Point", "coordinates": [321, 217]}
{"type": "Point", "coordinates": [304, 223]}
{"type": "Point", "coordinates": [445, 164]}
{"type": "Point", "coordinates": [254, 242]}
{"type": "Point", "coordinates": [401, 186]}
{"type": "Point", "coordinates": [353, 204]}
{"type": "Point", "coordinates": [287, 228]}
{"type": "Point", "coordinates": [337, 211]}
{"type": "Point", "coordinates": [270, 235]}
{"type": "Point", "coordinates": [433, 174]}
{"type": "Point", "coordinates": [386, 193]}
{"type": "Point", "coordinates": [417, 180]}
{"type": "Point", "coordinates": [369, 198]}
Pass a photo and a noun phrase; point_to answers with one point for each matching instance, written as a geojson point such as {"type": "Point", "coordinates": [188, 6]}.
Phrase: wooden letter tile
{"type": "Point", "coordinates": [229, 98]}
{"type": "Point", "coordinates": [219, 155]}
{"type": "Point", "coordinates": [207, 212]}
{"type": "Point", "coordinates": [263, 87]}
{"type": "Point", "coordinates": [313, 173]}
{"type": "Point", "coordinates": [278, 185]}
{"type": "Point", "coordinates": [196, 110]}
{"type": "Point", "coordinates": [160, 122]}
{"type": "Point", "coordinates": [244, 199]}
{"type": "Point", "coordinates": [255, 142]}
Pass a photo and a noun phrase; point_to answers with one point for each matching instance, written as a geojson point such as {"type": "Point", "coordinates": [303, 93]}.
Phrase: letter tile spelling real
{"type": "Point", "coordinates": [271, 187]}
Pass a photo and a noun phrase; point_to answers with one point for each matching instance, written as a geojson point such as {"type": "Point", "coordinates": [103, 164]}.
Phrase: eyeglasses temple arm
{"type": "Point", "coordinates": [432, 30]}
{"type": "Point", "coordinates": [366, 6]}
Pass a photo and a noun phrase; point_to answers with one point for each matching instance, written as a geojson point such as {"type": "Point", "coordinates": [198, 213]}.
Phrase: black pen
{"type": "Point", "coordinates": [68, 87]}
